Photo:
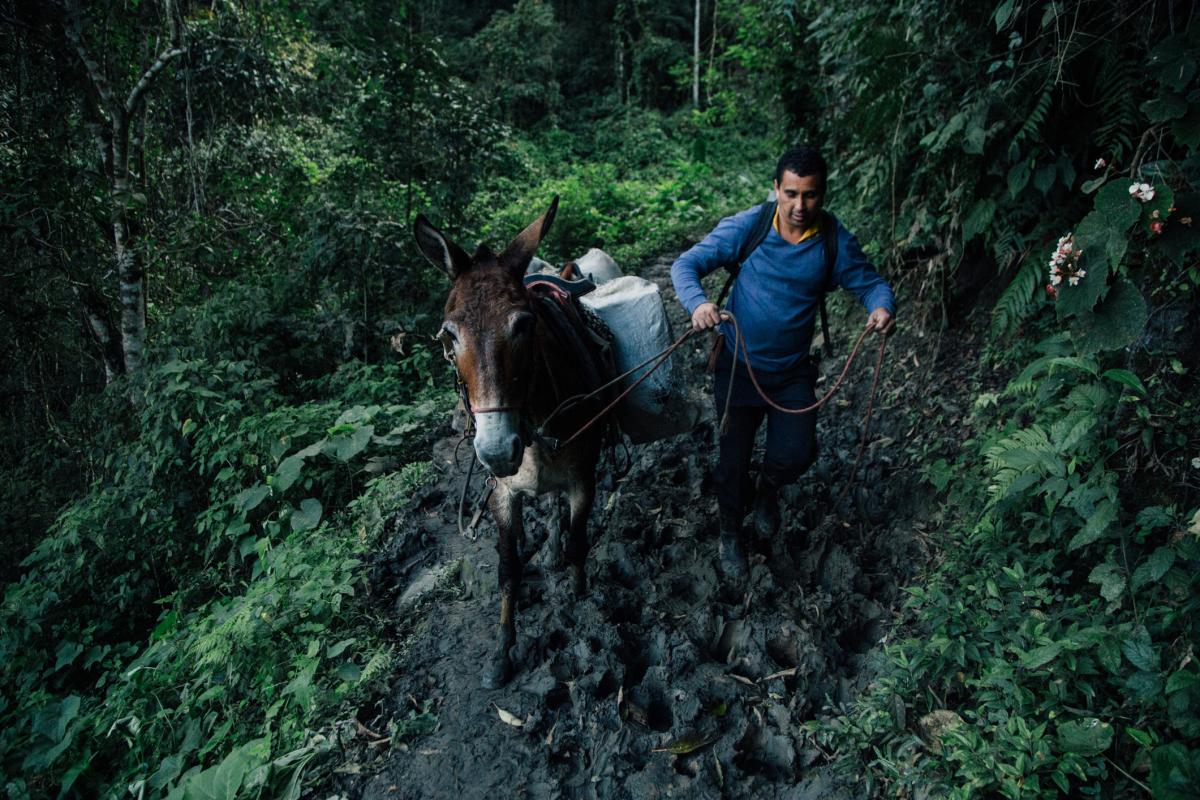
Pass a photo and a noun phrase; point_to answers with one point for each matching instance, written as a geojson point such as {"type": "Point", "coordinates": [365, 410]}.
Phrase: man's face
{"type": "Point", "coordinates": [800, 199]}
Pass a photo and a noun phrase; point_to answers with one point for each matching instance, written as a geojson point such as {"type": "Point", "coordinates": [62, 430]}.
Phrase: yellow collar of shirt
{"type": "Point", "coordinates": [812, 231]}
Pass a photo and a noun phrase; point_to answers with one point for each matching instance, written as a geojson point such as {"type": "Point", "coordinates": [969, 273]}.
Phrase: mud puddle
{"type": "Point", "coordinates": [662, 682]}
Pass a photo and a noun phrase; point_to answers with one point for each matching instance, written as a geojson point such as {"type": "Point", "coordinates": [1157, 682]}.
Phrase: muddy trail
{"type": "Point", "coordinates": [661, 682]}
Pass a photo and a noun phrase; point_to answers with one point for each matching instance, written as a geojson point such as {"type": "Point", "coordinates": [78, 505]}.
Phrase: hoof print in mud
{"type": "Point", "coordinates": [497, 672]}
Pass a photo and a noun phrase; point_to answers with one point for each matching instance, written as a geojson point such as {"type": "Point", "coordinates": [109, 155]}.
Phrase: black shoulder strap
{"type": "Point", "coordinates": [762, 226]}
{"type": "Point", "coordinates": [829, 232]}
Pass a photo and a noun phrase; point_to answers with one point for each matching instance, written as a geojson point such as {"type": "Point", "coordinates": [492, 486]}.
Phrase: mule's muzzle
{"type": "Point", "coordinates": [498, 443]}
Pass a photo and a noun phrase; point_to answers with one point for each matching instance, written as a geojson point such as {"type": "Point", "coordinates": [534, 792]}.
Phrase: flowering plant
{"type": "Point", "coordinates": [1065, 263]}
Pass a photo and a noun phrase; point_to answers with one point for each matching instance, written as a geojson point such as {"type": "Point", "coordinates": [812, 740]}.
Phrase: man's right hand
{"type": "Point", "coordinates": [705, 316]}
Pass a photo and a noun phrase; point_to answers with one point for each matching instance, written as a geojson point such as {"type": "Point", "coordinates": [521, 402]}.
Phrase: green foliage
{"type": "Point", "coordinates": [1058, 628]}
{"type": "Point", "coordinates": [513, 59]}
{"type": "Point", "coordinates": [227, 538]}
{"type": "Point", "coordinates": [614, 200]}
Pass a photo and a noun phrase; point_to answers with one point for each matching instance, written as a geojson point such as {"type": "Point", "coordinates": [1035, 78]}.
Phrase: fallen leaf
{"type": "Point", "coordinates": [509, 718]}
{"type": "Point", "coordinates": [742, 679]}
{"type": "Point", "coordinates": [783, 673]}
{"type": "Point", "coordinates": [685, 744]}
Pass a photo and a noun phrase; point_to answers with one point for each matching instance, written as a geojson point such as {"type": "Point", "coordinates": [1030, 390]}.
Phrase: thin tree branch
{"type": "Point", "coordinates": [72, 26]}
{"type": "Point", "coordinates": [138, 92]}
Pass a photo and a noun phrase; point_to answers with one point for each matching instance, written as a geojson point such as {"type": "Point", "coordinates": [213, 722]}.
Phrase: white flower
{"type": "Point", "coordinates": [1144, 192]}
{"type": "Point", "coordinates": [1100, 164]}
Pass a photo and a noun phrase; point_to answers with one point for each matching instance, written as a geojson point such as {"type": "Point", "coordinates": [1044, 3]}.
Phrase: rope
{"type": "Point", "coordinates": [660, 358]}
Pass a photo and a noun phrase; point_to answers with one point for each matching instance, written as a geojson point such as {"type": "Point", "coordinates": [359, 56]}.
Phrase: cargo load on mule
{"type": "Point", "coordinates": [627, 312]}
{"type": "Point", "coordinates": [657, 407]}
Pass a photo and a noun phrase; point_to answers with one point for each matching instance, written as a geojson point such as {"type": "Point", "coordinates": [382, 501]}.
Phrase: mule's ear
{"type": "Point", "coordinates": [441, 252]}
{"type": "Point", "coordinates": [520, 251]}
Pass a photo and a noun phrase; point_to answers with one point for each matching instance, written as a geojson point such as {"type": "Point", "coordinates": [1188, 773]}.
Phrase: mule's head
{"type": "Point", "coordinates": [489, 333]}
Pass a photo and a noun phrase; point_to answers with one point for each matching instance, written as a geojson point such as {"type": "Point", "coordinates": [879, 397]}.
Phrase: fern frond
{"type": "Point", "coordinates": [1018, 300]}
{"type": "Point", "coordinates": [1115, 87]}
{"type": "Point", "coordinates": [1070, 430]}
{"type": "Point", "coordinates": [1090, 397]}
{"type": "Point", "coordinates": [1037, 115]}
{"type": "Point", "coordinates": [1028, 450]}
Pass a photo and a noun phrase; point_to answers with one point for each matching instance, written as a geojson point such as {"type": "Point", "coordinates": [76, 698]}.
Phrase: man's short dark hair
{"type": "Point", "coordinates": [802, 160]}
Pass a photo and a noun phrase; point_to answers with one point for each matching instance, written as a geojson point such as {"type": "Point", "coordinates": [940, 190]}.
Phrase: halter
{"type": "Point", "coordinates": [528, 431]}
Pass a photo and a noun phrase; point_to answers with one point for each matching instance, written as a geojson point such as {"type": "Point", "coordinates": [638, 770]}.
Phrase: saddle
{"type": "Point", "coordinates": [556, 301]}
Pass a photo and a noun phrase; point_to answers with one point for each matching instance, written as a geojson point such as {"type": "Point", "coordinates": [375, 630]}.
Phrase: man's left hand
{"type": "Point", "coordinates": [881, 320]}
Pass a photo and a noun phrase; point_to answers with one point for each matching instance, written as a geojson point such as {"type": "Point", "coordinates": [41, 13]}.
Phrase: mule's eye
{"type": "Point", "coordinates": [523, 325]}
{"type": "Point", "coordinates": [447, 335]}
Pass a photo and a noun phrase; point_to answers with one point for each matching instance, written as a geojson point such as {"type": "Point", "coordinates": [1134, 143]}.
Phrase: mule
{"type": "Point", "coordinates": [515, 374]}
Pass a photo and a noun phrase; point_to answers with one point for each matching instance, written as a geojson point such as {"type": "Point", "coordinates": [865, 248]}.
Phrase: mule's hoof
{"type": "Point", "coordinates": [498, 672]}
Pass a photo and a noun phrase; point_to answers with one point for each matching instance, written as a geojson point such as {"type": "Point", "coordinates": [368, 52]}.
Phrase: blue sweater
{"type": "Point", "coordinates": [778, 291]}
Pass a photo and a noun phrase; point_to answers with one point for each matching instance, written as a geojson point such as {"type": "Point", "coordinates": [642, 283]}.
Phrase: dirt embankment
{"type": "Point", "coordinates": [662, 682]}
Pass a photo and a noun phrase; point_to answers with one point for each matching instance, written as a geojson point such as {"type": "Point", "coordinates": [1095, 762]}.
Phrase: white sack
{"type": "Point", "coordinates": [598, 266]}
{"type": "Point", "coordinates": [633, 310]}
{"type": "Point", "coordinates": [537, 265]}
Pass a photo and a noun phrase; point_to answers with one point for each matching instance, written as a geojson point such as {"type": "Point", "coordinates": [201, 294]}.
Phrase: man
{"type": "Point", "coordinates": [775, 298]}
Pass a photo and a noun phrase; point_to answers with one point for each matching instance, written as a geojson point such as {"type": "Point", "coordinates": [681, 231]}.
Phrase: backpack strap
{"type": "Point", "coordinates": [829, 232]}
{"type": "Point", "coordinates": [762, 226]}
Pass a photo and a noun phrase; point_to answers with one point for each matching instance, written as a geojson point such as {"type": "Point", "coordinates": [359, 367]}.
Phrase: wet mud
{"type": "Point", "coordinates": [663, 681]}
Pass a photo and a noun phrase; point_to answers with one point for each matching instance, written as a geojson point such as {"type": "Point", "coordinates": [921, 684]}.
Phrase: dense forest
{"type": "Point", "coordinates": [219, 385]}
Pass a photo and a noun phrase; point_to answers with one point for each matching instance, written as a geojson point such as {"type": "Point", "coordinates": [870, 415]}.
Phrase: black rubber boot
{"type": "Point", "coordinates": [766, 508]}
{"type": "Point", "coordinates": [731, 559]}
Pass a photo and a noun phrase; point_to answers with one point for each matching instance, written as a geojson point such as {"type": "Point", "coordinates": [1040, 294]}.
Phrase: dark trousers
{"type": "Point", "coordinates": [791, 438]}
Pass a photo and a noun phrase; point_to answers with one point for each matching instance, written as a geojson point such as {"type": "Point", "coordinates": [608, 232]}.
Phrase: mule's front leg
{"type": "Point", "coordinates": [581, 495]}
{"type": "Point", "coordinates": [506, 509]}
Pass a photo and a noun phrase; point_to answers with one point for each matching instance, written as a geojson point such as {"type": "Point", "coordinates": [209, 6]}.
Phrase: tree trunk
{"type": "Point", "coordinates": [696, 58]}
{"type": "Point", "coordinates": [119, 146]}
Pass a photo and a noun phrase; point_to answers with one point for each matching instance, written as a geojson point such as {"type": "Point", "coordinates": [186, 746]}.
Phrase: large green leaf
{"type": "Point", "coordinates": [1117, 321]}
{"type": "Point", "coordinates": [1040, 656]}
{"type": "Point", "coordinates": [1140, 651]}
{"type": "Point", "coordinates": [1166, 106]}
{"type": "Point", "coordinates": [1085, 737]}
{"type": "Point", "coordinates": [1018, 177]}
{"type": "Point", "coordinates": [1101, 238]}
{"type": "Point", "coordinates": [308, 516]}
{"type": "Point", "coordinates": [1163, 202]}
{"type": "Point", "coordinates": [1111, 580]}
{"type": "Point", "coordinates": [1173, 61]}
{"type": "Point", "coordinates": [1154, 567]}
{"type": "Point", "coordinates": [1174, 772]}
{"type": "Point", "coordinates": [288, 472]}
{"type": "Point", "coordinates": [1187, 128]}
{"type": "Point", "coordinates": [1098, 521]}
{"type": "Point", "coordinates": [247, 500]}
{"type": "Point", "coordinates": [347, 446]}
{"type": "Point", "coordinates": [1179, 241]}
{"type": "Point", "coordinates": [52, 720]}
{"type": "Point", "coordinates": [978, 218]}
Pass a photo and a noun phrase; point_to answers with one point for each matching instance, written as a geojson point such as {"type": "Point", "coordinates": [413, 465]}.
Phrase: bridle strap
{"type": "Point", "coordinates": [494, 409]}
